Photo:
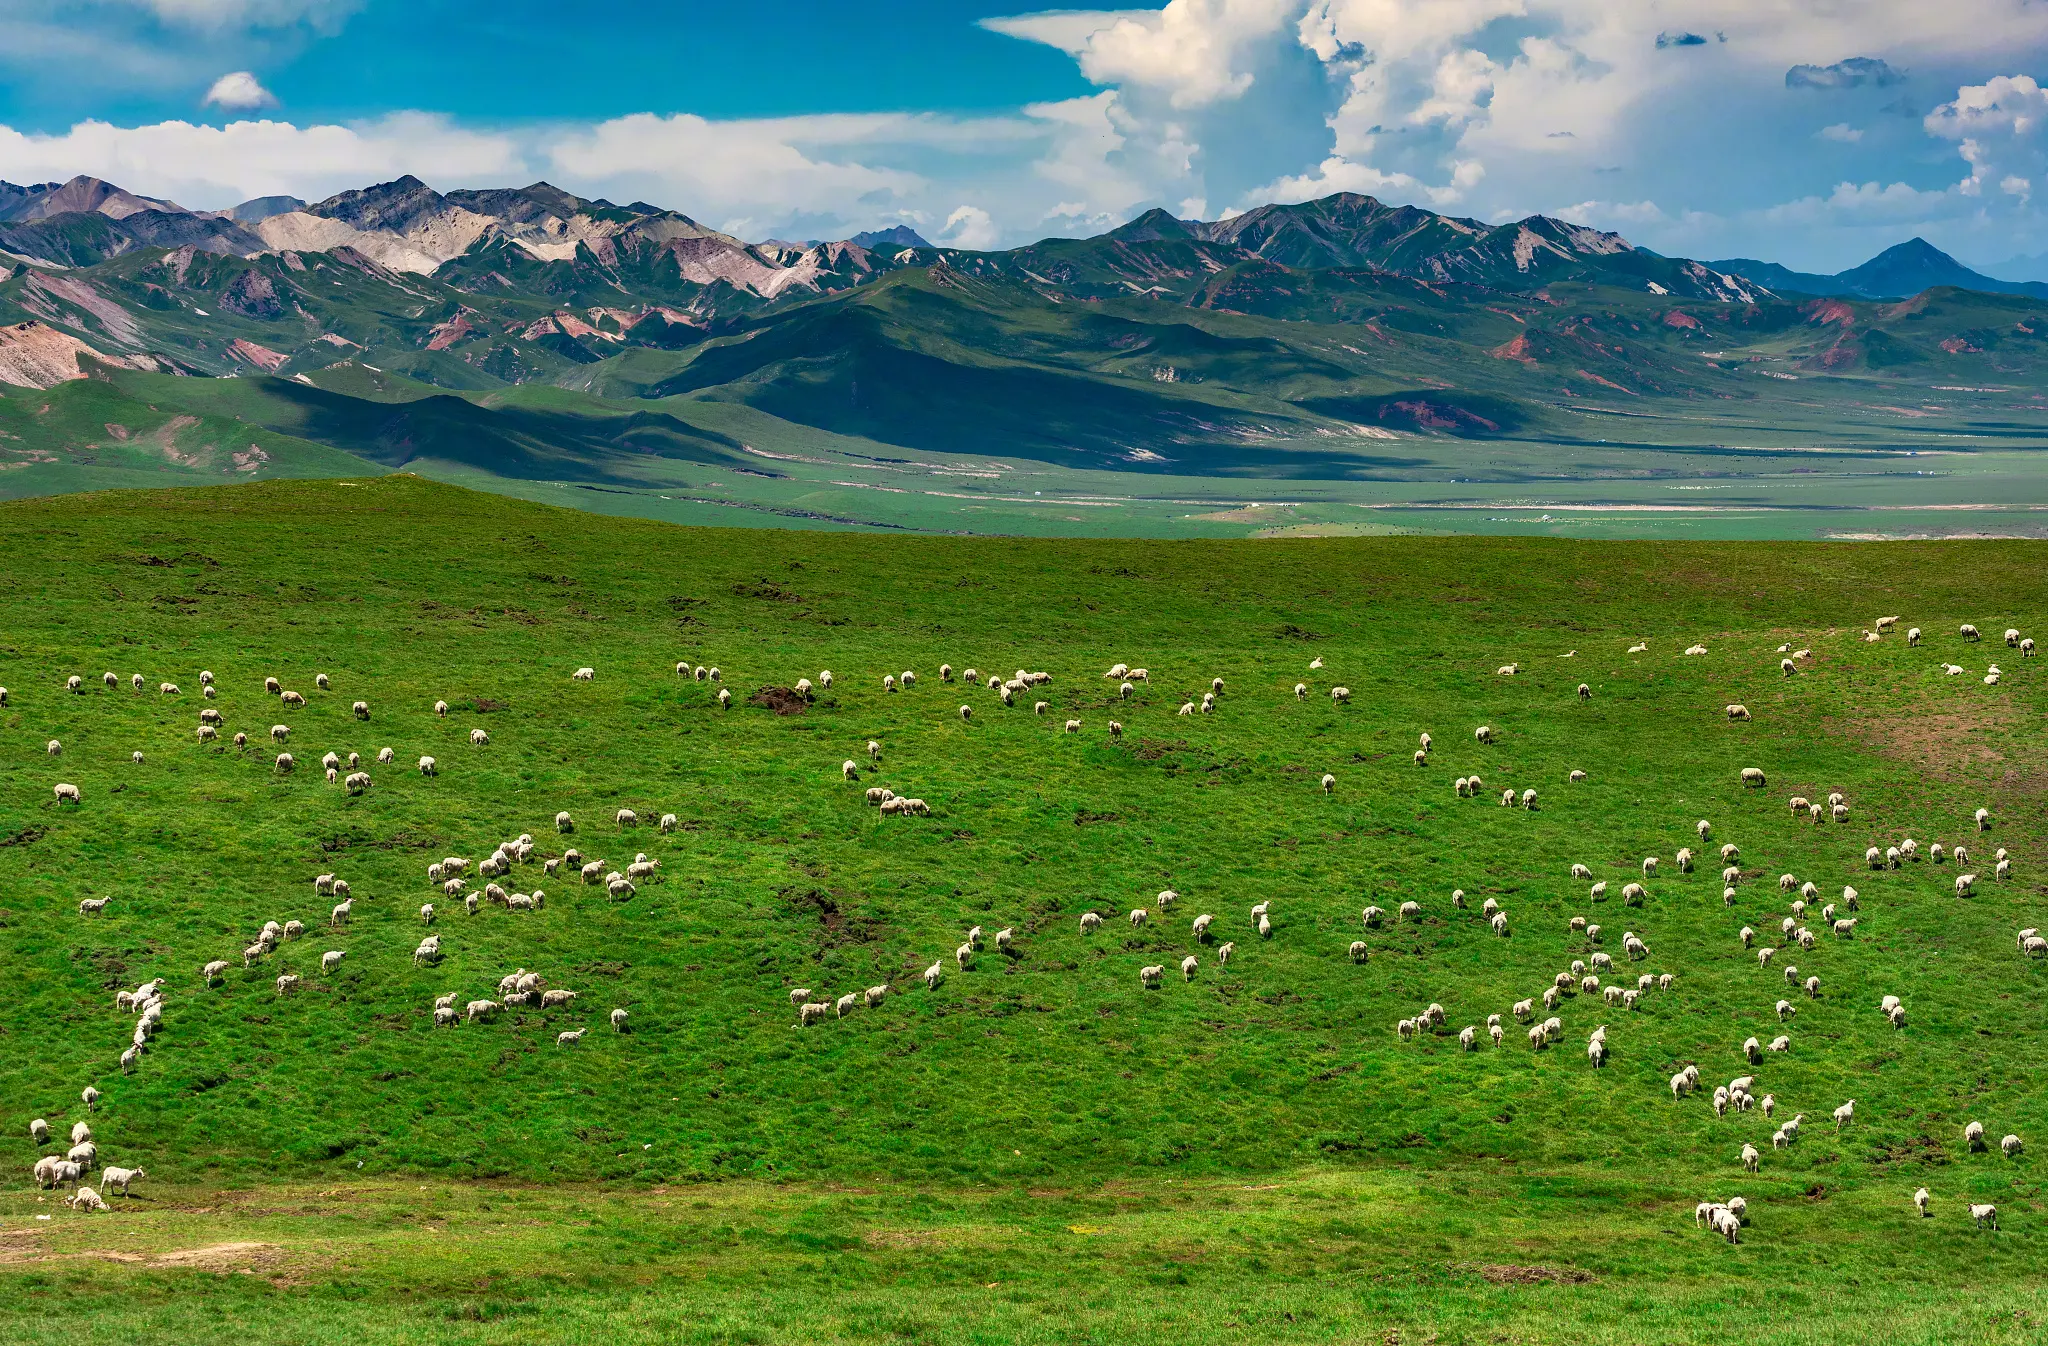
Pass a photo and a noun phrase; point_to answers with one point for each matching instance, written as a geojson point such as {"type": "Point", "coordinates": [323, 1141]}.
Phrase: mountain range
{"type": "Point", "coordinates": [1290, 339]}
{"type": "Point", "coordinates": [1898, 272]}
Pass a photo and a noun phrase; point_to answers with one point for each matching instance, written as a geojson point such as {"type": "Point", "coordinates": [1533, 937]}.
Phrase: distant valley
{"type": "Point", "coordinates": [1309, 359]}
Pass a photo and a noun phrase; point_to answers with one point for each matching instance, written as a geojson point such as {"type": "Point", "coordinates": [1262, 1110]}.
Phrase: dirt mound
{"type": "Point", "coordinates": [781, 700]}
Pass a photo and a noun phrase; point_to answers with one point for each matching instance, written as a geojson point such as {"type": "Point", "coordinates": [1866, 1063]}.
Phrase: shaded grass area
{"type": "Point", "coordinates": [1314, 1256]}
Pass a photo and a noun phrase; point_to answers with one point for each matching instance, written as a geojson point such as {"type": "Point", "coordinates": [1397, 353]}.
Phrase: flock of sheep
{"type": "Point", "coordinates": [450, 875]}
{"type": "Point", "coordinates": [1582, 978]}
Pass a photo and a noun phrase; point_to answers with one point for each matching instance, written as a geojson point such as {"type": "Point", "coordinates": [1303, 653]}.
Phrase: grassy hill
{"type": "Point", "coordinates": [1047, 1072]}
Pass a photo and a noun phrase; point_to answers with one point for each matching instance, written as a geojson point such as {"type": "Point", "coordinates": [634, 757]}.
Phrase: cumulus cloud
{"type": "Point", "coordinates": [1193, 50]}
{"type": "Point", "coordinates": [970, 227]}
{"type": "Point", "coordinates": [1853, 73]}
{"type": "Point", "coordinates": [2010, 104]}
{"type": "Point", "coordinates": [1840, 131]}
{"type": "Point", "coordinates": [237, 91]}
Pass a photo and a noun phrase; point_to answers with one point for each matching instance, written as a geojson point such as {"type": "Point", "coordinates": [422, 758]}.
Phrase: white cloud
{"type": "Point", "coordinates": [1193, 50]}
{"type": "Point", "coordinates": [1852, 202]}
{"type": "Point", "coordinates": [1998, 126]}
{"type": "Point", "coordinates": [2012, 104]}
{"type": "Point", "coordinates": [969, 227]}
{"type": "Point", "coordinates": [237, 91]}
{"type": "Point", "coordinates": [2015, 185]}
{"type": "Point", "coordinates": [213, 166]}
{"type": "Point", "coordinates": [1459, 90]}
{"type": "Point", "coordinates": [1840, 131]}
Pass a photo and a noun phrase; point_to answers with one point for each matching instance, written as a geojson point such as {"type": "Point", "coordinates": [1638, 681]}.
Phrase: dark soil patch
{"type": "Point", "coordinates": [781, 700]}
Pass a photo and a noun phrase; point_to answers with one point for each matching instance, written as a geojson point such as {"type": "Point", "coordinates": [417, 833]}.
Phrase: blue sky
{"type": "Point", "coordinates": [1810, 133]}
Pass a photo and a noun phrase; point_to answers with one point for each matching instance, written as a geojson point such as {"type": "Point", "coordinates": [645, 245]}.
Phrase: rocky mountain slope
{"type": "Point", "coordinates": [1288, 339]}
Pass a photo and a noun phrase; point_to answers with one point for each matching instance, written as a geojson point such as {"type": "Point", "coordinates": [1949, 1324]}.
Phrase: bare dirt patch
{"type": "Point", "coordinates": [1944, 744]}
{"type": "Point", "coordinates": [781, 700]}
{"type": "Point", "coordinates": [1510, 1274]}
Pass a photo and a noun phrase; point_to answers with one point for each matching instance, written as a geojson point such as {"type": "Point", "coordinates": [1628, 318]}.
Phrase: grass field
{"type": "Point", "coordinates": [1037, 1149]}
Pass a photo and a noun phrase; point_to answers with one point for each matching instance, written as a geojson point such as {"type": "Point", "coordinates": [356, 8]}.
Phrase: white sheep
{"type": "Point", "coordinates": [2010, 1146]}
{"type": "Point", "coordinates": [1845, 1114]}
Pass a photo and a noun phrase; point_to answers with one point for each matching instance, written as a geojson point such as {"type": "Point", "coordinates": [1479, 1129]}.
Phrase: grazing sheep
{"type": "Point", "coordinates": [1483, 734]}
{"type": "Point", "coordinates": [1148, 977]}
{"type": "Point", "coordinates": [1968, 632]}
{"type": "Point", "coordinates": [1983, 1213]}
{"type": "Point", "coordinates": [288, 982]}
{"type": "Point", "coordinates": [1964, 884]}
{"type": "Point", "coordinates": [2010, 1146]}
{"type": "Point", "coordinates": [1983, 820]}
{"type": "Point", "coordinates": [340, 915]}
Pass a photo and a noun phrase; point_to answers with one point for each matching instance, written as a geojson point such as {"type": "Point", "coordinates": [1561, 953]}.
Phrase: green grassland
{"type": "Point", "coordinates": [1038, 1149]}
